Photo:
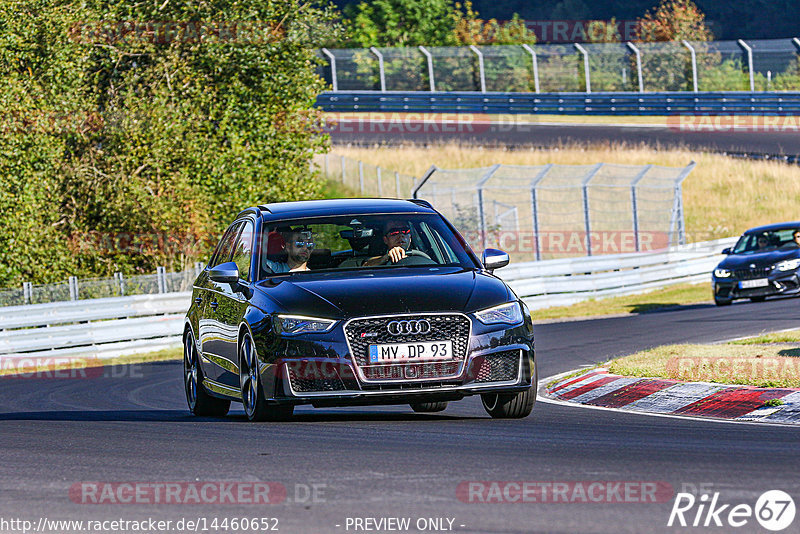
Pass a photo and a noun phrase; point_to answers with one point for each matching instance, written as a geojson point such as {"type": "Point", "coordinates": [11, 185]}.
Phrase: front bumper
{"type": "Point", "coordinates": [307, 372]}
{"type": "Point", "coordinates": [779, 284]}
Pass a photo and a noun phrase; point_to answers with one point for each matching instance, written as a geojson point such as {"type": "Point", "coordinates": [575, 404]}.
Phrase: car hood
{"type": "Point", "coordinates": [763, 259]}
{"type": "Point", "coordinates": [378, 292]}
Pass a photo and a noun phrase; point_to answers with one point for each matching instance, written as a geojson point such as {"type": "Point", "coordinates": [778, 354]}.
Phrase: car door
{"type": "Point", "coordinates": [232, 302]}
{"type": "Point", "coordinates": [210, 330]}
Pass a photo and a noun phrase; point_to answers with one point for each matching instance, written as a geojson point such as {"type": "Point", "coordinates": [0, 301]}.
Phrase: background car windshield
{"type": "Point", "coordinates": [765, 241]}
{"type": "Point", "coordinates": [360, 242]}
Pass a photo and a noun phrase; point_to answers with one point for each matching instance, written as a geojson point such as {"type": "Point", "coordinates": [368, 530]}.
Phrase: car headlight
{"type": "Point", "coordinates": [298, 324]}
{"type": "Point", "coordinates": [510, 313]}
{"type": "Point", "coordinates": [789, 265]}
{"type": "Point", "coordinates": [722, 273]}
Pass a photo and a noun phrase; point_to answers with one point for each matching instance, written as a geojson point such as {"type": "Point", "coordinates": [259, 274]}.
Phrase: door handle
{"type": "Point", "coordinates": [214, 305]}
{"type": "Point", "coordinates": [199, 300]}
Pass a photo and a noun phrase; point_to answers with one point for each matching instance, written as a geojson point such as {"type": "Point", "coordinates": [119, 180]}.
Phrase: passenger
{"type": "Point", "coordinates": [298, 245]}
{"type": "Point", "coordinates": [796, 237]}
{"type": "Point", "coordinates": [762, 242]}
{"type": "Point", "coordinates": [397, 237]}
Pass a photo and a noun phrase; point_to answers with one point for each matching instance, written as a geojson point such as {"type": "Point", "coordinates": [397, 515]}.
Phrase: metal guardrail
{"type": "Point", "coordinates": [94, 328]}
{"type": "Point", "coordinates": [549, 283]}
{"type": "Point", "coordinates": [661, 103]}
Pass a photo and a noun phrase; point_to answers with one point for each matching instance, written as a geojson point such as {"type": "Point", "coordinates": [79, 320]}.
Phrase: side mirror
{"type": "Point", "coordinates": [225, 273]}
{"type": "Point", "coordinates": [494, 259]}
{"type": "Point", "coordinates": [726, 250]}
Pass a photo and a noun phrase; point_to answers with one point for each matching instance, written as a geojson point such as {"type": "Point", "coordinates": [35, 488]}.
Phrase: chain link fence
{"type": "Point", "coordinates": [94, 288]}
{"type": "Point", "coordinates": [754, 65]}
{"type": "Point", "coordinates": [551, 211]}
{"type": "Point", "coordinates": [366, 179]}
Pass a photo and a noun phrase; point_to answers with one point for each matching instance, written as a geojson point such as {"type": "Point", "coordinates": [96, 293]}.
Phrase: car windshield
{"type": "Point", "coordinates": [766, 241]}
{"type": "Point", "coordinates": [342, 243]}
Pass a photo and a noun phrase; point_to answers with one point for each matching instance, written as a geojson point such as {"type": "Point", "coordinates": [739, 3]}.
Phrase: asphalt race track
{"type": "Point", "coordinates": [389, 461]}
{"type": "Point", "coordinates": [521, 134]}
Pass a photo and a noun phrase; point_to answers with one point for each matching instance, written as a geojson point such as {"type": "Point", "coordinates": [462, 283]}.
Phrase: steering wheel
{"type": "Point", "coordinates": [415, 257]}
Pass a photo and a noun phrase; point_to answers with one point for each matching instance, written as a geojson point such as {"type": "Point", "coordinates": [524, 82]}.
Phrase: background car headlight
{"type": "Point", "coordinates": [510, 313]}
{"type": "Point", "coordinates": [789, 265]}
{"type": "Point", "coordinates": [298, 324]}
{"type": "Point", "coordinates": [722, 273]}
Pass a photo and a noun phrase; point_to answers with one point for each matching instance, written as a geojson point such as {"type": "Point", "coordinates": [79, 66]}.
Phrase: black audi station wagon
{"type": "Point", "coordinates": [764, 262]}
{"type": "Point", "coordinates": [354, 302]}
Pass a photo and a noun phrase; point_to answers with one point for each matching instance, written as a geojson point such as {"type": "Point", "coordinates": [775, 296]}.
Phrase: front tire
{"type": "Point", "coordinates": [720, 302]}
{"type": "Point", "coordinates": [253, 398]}
{"type": "Point", "coordinates": [428, 407]}
{"type": "Point", "coordinates": [200, 402]}
{"type": "Point", "coordinates": [511, 405]}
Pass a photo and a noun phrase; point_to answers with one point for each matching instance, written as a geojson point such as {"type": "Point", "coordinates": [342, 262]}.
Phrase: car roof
{"type": "Point", "coordinates": [342, 206]}
{"type": "Point", "coordinates": [773, 227]}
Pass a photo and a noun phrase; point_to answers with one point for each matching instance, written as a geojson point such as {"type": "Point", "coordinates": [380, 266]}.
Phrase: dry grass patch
{"type": "Point", "coordinates": [722, 197]}
{"type": "Point", "coordinates": [756, 365]}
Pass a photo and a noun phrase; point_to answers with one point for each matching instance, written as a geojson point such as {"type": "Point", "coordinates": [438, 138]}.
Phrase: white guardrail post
{"type": "Point", "coordinates": [480, 66]}
{"type": "Point", "coordinates": [535, 61]}
{"type": "Point", "coordinates": [429, 59]}
{"type": "Point", "coordinates": [586, 75]}
{"type": "Point", "coordinates": [332, 58]}
{"type": "Point", "coordinates": [694, 63]}
{"type": "Point", "coordinates": [381, 71]}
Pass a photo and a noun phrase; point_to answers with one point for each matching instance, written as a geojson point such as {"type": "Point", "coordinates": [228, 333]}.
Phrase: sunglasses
{"type": "Point", "coordinates": [302, 244]}
{"type": "Point", "coordinates": [397, 231]}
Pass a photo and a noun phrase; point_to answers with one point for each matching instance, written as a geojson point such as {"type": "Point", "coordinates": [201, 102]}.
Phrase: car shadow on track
{"type": "Point", "coordinates": [179, 416]}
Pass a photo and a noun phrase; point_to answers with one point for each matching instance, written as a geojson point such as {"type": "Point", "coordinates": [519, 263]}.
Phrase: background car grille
{"type": "Point", "coordinates": [453, 327]}
{"type": "Point", "coordinates": [751, 274]}
{"type": "Point", "coordinates": [497, 367]}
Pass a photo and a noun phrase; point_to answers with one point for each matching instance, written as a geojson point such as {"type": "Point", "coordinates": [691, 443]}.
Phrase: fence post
{"type": "Point", "coordinates": [343, 168]}
{"type": "Point", "coordinates": [361, 176]}
{"type": "Point", "coordinates": [694, 63]}
{"type": "Point", "coordinates": [677, 206]}
{"type": "Point", "coordinates": [380, 67]}
{"type": "Point", "coordinates": [380, 189]}
{"type": "Point", "coordinates": [332, 58]}
{"type": "Point", "coordinates": [419, 183]}
{"type": "Point", "coordinates": [198, 267]}
{"type": "Point", "coordinates": [586, 74]}
{"type": "Point", "coordinates": [480, 66]}
{"type": "Point", "coordinates": [638, 65]}
{"type": "Point", "coordinates": [397, 182]}
{"type": "Point", "coordinates": [586, 215]}
{"type": "Point", "coordinates": [27, 293]}
{"type": "Point", "coordinates": [535, 61]}
{"type": "Point", "coordinates": [161, 276]}
{"type": "Point", "coordinates": [429, 59]}
{"type": "Point", "coordinates": [325, 162]}
{"type": "Point", "coordinates": [485, 178]}
{"type": "Point", "coordinates": [535, 209]}
{"type": "Point", "coordinates": [73, 287]}
{"type": "Point", "coordinates": [634, 205]}
{"type": "Point", "coordinates": [749, 51]}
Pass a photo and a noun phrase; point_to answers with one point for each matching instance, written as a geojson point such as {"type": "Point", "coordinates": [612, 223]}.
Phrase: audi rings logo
{"type": "Point", "coordinates": [402, 328]}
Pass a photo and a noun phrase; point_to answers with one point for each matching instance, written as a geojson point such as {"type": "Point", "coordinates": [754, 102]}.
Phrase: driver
{"type": "Point", "coordinates": [298, 245]}
{"type": "Point", "coordinates": [397, 237]}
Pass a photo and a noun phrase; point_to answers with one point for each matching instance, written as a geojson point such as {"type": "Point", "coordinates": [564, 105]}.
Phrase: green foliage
{"type": "Point", "coordinates": [402, 23]}
{"type": "Point", "coordinates": [158, 137]}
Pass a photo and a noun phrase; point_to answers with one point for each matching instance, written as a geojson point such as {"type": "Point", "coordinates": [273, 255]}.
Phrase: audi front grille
{"type": "Point", "coordinates": [363, 332]}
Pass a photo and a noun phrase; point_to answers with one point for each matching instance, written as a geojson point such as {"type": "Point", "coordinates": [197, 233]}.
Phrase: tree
{"type": "Point", "coordinates": [401, 23]}
{"type": "Point", "coordinates": [129, 142]}
{"type": "Point", "coordinates": [674, 20]}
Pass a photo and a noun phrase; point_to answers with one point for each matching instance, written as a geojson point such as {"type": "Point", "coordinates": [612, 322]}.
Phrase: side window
{"type": "Point", "coordinates": [243, 252]}
{"type": "Point", "coordinates": [225, 246]}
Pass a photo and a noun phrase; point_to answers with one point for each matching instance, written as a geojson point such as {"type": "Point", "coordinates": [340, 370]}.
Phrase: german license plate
{"type": "Point", "coordinates": [749, 284]}
{"type": "Point", "coordinates": [403, 352]}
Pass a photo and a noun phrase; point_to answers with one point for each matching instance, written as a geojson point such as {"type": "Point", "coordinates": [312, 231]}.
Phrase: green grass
{"type": "Point", "coordinates": [669, 297]}
{"type": "Point", "coordinates": [792, 336]}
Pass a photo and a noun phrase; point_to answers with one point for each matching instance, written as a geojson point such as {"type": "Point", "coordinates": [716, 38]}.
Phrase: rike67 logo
{"type": "Point", "coordinates": [774, 510]}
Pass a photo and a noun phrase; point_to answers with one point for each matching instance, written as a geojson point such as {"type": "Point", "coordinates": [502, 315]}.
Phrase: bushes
{"type": "Point", "coordinates": [115, 125]}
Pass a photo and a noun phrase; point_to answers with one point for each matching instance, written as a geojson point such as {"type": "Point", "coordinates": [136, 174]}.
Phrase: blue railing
{"type": "Point", "coordinates": [661, 103]}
